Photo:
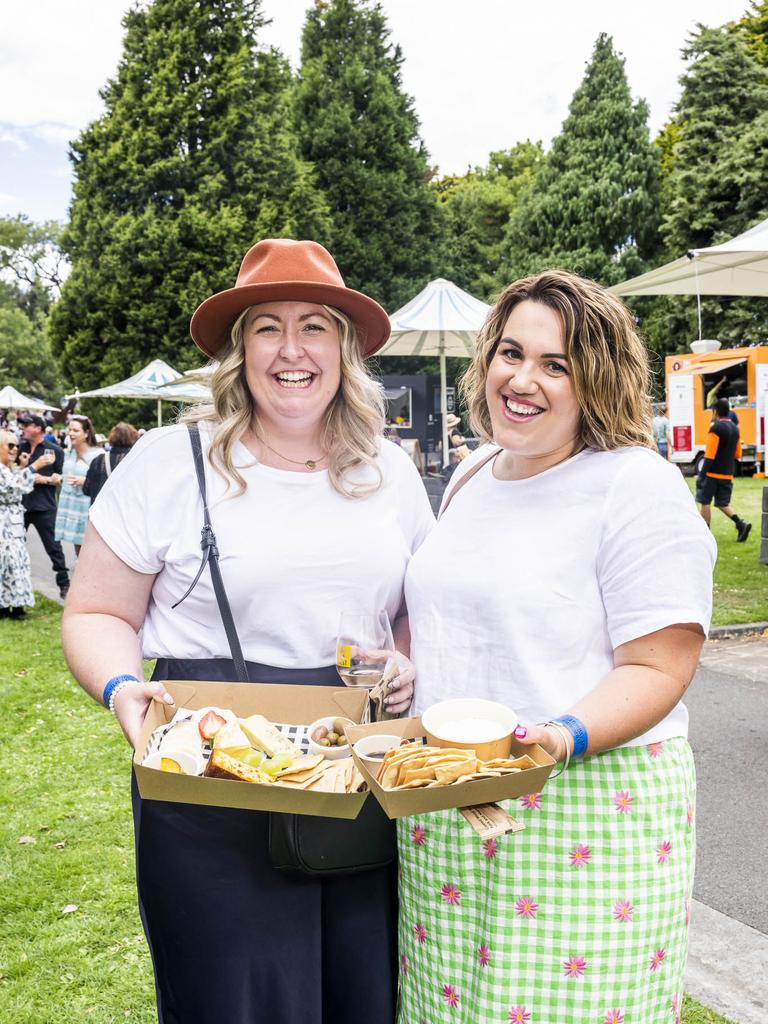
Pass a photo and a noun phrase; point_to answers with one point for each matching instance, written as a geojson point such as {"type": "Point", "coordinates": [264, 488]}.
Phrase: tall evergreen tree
{"type": "Point", "coordinates": [593, 206]}
{"type": "Point", "coordinates": [478, 206]}
{"type": "Point", "coordinates": [716, 183]}
{"type": "Point", "coordinates": [191, 162]}
{"type": "Point", "coordinates": [358, 128]}
{"type": "Point", "coordinates": [754, 24]}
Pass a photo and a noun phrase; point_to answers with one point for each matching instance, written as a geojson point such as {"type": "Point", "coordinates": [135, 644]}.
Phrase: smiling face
{"type": "Point", "coordinates": [529, 391]}
{"type": "Point", "coordinates": [8, 448]}
{"type": "Point", "coordinates": [292, 363]}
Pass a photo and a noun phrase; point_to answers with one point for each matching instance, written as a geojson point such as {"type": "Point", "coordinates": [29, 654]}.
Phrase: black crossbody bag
{"type": "Point", "coordinates": [298, 843]}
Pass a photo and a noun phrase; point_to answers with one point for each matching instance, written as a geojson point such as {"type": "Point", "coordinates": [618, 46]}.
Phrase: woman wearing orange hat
{"type": "Point", "coordinates": [314, 513]}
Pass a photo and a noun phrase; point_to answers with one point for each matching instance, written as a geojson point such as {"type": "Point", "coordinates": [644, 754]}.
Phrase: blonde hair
{"type": "Point", "coordinates": [353, 423]}
{"type": "Point", "coordinates": [607, 360]}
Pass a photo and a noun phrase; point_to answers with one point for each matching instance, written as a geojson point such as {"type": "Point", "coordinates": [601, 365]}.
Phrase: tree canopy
{"type": "Point", "coordinates": [190, 164]}
{"type": "Point", "coordinates": [593, 205]}
{"type": "Point", "coordinates": [716, 166]}
{"type": "Point", "coordinates": [358, 128]}
{"type": "Point", "coordinates": [478, 207]}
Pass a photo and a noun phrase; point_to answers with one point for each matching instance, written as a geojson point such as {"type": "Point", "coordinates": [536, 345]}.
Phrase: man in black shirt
{"type": "Point", "coordinates": [40, 504]}
{"type": "Point", "coordinates": [717, 469]}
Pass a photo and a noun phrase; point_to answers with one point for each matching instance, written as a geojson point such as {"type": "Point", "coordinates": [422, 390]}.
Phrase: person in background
{"type": "Point", "coordinates": [16, 481]}
{"type": "Point", "coordinates": [40, 504]}
{"type": "Point", "coordinates": [580, 596]}
{"type": "Point", "coordinates": [712, 398]}
{"type": "Point", "coordinates": [455, 436]}
{"type": "Point", "coordinates": [661, 432]}
{"type": "Point", "coordinates": [715, 480]}
{"type": "Point", "coordinates": [122, 437]}
{"type": "Point", "coordinates": [74, 505]}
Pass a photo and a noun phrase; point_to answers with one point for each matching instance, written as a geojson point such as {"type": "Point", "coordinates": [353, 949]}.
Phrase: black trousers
{"type": "Point", "coordinates": [45, 524]}
{"type": "Point", "coordinates": [232, 939]}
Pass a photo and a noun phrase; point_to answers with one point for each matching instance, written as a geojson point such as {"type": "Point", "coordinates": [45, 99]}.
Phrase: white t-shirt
{"type": "Point", "coordinates": [293, 552]}
{"type": "Point", "coordinates": [524, 589]}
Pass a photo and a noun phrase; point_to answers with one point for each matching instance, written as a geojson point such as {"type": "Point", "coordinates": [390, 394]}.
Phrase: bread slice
{"type": "Point", "coordinates": [224, 766]}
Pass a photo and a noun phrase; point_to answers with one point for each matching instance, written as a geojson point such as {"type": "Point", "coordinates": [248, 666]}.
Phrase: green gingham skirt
{"type": "Point", "coordinates": [581, 918]}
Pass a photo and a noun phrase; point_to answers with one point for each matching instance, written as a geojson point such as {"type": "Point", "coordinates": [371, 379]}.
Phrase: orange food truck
{"type": "Point", "coordinates": [694, 381]}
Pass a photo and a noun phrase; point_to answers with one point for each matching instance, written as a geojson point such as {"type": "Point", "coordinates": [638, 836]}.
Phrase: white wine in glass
{"type": "Point", "coordinates": [363, 647]}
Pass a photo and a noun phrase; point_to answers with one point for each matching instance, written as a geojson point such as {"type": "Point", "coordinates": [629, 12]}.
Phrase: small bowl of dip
{"type": "Point", "coordinates": [371, 750]}
{"type": "Point", "coordinates": [470, 723]}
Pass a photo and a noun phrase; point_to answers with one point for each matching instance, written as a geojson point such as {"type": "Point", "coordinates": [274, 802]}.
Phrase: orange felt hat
{"type": "Point", "coordinates": [277, 269]}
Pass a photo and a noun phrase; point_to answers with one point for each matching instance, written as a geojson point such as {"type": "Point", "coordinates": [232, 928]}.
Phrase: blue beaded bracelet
{"type": "Point", "coordinates": [576, 728]}
{"type": "Point", "coordinates": [113, 684]}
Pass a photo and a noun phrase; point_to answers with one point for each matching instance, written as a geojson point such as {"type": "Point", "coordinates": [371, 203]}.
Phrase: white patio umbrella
{"type": "Point", "coordinates": [141, 385]}
{"type": "Point", "coordinates": [737, 267]}
{"type": "Point", "coordinates": [442, 320]}
{"type": "Point", "coordinates": [10, 398]}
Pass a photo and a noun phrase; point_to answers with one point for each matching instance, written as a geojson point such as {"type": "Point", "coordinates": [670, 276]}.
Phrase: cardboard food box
{"type": "Point", "coordinates": [398, 803]}
{"type": "Point", "coordinates": [281, 704]}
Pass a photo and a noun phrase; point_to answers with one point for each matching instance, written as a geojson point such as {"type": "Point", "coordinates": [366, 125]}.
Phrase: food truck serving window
{"type": "Point", "coordinates": [725, 379]}
{"type": "Point", "coordinates": [399, 408]}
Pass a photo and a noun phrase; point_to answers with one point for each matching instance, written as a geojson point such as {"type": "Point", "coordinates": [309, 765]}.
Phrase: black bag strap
{"type": "Point", "coordinates": [211, 559]}
{"type": "Point", "coordinates": [465, 480]}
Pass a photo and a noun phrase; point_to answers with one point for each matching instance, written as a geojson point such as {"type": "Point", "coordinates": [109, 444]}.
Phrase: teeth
{"type": "Point", "coordinates": [522, 410]}
{"type": "Point", "coordinates": [294, 378]}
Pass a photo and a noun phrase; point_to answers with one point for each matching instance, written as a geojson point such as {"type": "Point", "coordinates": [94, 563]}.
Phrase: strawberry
{"type": "Point", "coordinates": [210, 724]}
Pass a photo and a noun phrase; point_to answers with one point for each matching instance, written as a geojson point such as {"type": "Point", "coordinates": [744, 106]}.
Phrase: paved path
{"type": "Point", "coordinates": [728, 961]}
{"type": "Point", "coordinates": [43, 578]}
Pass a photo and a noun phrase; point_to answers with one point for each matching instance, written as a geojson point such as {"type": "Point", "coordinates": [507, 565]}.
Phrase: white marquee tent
{"type": "Point", "coordinates": [10, 398]}
{"type": "Point", "coordinates": [442, 320]}
{"type": "Point", "coordinates": [143, 384]}
{"type": "Point", "coordinates": [737, 267]}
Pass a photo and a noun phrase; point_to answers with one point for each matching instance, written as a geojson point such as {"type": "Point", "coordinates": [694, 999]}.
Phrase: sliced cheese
{"type": "Point", "coordinates": [264, 736]}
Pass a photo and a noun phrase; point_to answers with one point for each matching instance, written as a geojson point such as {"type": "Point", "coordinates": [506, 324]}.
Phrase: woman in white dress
{"type": "Point", "coordinates": [15, 572]}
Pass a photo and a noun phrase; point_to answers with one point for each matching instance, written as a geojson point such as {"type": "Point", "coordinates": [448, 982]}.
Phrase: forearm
{"type": "Point", "coordinates": [627, 703]}
{"type": "Point", "coordinates": [98, 647]}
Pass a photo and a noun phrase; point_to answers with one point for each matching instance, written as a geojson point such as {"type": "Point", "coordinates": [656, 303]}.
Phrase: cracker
{"type": "Point", "coordinates": [446, 774]}
{"type": "Point", "coordinates": [415, 784]}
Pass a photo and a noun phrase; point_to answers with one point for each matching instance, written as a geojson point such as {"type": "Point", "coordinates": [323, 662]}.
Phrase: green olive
{"type": "Point", "coordinates": [324, 742]}
{"type": "Point", "coordinates": [333, 738]}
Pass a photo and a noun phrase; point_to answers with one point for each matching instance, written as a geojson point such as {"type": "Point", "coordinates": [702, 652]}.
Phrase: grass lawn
{"type": "Point", "coordinates": [741, 582]}
{"type": "Point", "coordinates": [71, 944]}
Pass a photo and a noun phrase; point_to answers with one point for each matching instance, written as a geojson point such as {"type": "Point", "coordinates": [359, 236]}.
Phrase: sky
{"type": "Point", "coordinates": [484, 74]}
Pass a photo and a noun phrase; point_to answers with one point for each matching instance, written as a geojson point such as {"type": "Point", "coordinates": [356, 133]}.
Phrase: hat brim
{"type": "Point", "coordinates": [212, 320]}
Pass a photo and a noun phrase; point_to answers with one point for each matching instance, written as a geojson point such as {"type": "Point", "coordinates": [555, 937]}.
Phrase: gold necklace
{"type": "Point", "coordinates": [310, 464]}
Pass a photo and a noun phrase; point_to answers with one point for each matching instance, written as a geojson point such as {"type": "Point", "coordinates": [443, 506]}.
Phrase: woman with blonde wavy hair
{"type": "Point", "coordinates": [314, 513]}
{"type": "Point", "coordinates": [581, 580]}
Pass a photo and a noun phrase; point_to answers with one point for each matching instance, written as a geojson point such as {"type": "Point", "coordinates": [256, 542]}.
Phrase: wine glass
{"type": "Point", "coordinates": [363, 647]}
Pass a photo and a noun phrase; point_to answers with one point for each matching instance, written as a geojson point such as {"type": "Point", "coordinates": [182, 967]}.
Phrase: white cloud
{"type": "Point", "coordinates": [12, 136]}
{"type": "Point", "coordinates": [8, 200]}
{"type": "Point", "coordinates": [52, 131]}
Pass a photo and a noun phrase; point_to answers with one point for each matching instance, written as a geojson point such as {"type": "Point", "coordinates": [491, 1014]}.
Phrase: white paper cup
{"type": "Point", "coordinates": [466, 708]}
{"type": "Point", "coordinates": [377, 744]}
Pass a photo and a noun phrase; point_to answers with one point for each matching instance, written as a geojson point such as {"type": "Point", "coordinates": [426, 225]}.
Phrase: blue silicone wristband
{"type": "Point", "coordinates": [112, 684]}
{"type": "Point", "coordinates": [576, 728]}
